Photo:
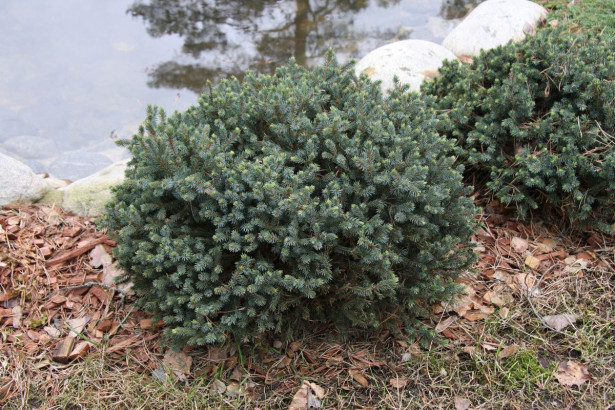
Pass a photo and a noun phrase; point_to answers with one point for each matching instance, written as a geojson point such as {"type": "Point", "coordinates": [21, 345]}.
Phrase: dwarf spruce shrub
{"type": "Point", "coordinates": [536, 121]}
{"type": "Point", "coordinates": [278, 200]}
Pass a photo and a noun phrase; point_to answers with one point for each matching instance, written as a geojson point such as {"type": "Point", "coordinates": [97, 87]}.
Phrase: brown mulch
{"type": "Point", "coordinates": [58, 304]}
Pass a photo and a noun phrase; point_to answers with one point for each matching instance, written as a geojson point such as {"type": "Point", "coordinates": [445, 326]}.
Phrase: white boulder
{"type": "Point", "coordinates": [18, 182]}
{"type": "Point", "coordinates": [494, 23]}
{"type": "Point", "coordinates": [410, 60]}
{"type": "Point", "coordinates": [88, 196]}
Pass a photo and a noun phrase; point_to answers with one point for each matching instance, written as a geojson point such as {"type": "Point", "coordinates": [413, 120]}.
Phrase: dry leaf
{"type": "Point", "coordinates": [503, 276]}
{"type": "Point", "coordinates": [445, 324]}
{"type": "Point", "coordinates": [508, 351]}
{"type": "Point", "coordinates": [100, 257]}
{"type": "Point", "coordinates": [526, 282]}
{"type": "Point", "coordinates": [546, 246]}
{"type": "Point", "coordinates": [52, 331]}
{"type": "Point", "coordinates": [318, 391]}
{"type": "Point", "coordinates": [532, 262]}
{"type": "Point", "coordinates": [145, 324]}
{"type": "Point", "coordinates": [489, 346]}
{"type": "Point", "coordinates": [17, 313]}
{"type": "Point", "coordinates": [559, 322]}
{"type": "Point", "coordinates": [475, 315]}
{"type": "Point", "coordinates": [469, 350]}
{"type": "Point", "coordinates": [304, 398]}
{"type": "Point", "coordinates": [572, 373]}
{"type": "Point", "coordinates": [218, 386]}
{"type": "Point", "coordinates": [461, 303]}
{"type": "Point", "coordinates": [77, 325]}
{"type": "Point", "coordinates": [233, 389]}
{"type": "Point", "coordinates": [237, 374]}
{"type": "Point", "coordinates": [179, 362]}
{"type": "Point", "coordinates": [294, 346]}
{"type": "Point", "coordinates": [576, 265]}
{"type": "Point", "coordinates": [462, 403]}
{"type": "Point", "coordinates": [519, 245]}
{"type": "Point", "coordinates": [398, 382]}
{"type": "Point", "coordinates": [504, 312]}
{"type": "Point", "coordinates": [493, 298]}
{"type": "Point", "coordinates": [358, 377]}
{"type": "Point", "coordinates": [300, 399]}
{"type": "Point", "coordinates": [110, 272]}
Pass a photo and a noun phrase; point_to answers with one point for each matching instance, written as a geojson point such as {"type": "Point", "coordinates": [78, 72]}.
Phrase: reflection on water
{"type": "Point", "coordinates": [229, 37]}
{"type": "Point", "coordinates": [74, 72]}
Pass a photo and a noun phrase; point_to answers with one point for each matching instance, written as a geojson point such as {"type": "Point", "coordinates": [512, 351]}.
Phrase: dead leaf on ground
{"type": "Point", "coordinates": [318, 391]}
{"type": "Point", "coordinates": [398, 382]}
{"type": "Point", "coordinates": [52, 331]}
{"type": "Point", "coordinates": [17, 313]}
{"type": "Point", "coordinates": [461, 303]}
{"type": "Point", "coordinates": [462, 403]}
{"type": "Point", "coordinates": [218, 386]}
{"type": "Point", "coordinates": [358, 377]}
{"type": "Point", "coordinates": [446, 323]}
{"type": "Point", "coordinates": [519, 245]}
{"type": "Point", "coordinates": [100, 257]}
{"type": "Point", "coordinates": [179, 362]}
{"type": "Point", "coordinates": [237, 374]}
{"type": "Point", "coordinates": [575, 266]}
{"type": "Point", "coordinates": [305, 398]}
{"type": "Point", "coordinates": [508, 351]}
{"type": "Point", "coordinates": [77, 325]}
{"type": "Point", "coordinates": [572, 373]}
{"type": "Point", "coordinates": [532, 262]}
{"type": "Point", "coordinates": [559, 322]}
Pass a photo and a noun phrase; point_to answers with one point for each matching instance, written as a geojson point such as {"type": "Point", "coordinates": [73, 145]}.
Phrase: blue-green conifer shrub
{"type": "Point", "coordinates": [536, 121]}
{"type": "Point", "coordinates": [281, 200]}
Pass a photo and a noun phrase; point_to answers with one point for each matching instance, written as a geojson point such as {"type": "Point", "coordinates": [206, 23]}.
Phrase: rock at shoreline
{"type": "Point", "coordinates": [494, 23]}
{"type": "Point", "coordinates": [19, 182]}
{"type": "Point", "coordinates": [87, 196]}
{"type": "Point", "coordinates": [411, 61]}
{"type": "Point", "coordinates": [76, 165]}
{"type": "Point", "coordinates": [31, 146]}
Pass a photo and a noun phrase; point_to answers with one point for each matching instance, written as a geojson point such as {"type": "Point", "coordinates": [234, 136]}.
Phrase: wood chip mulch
{"type": "Point", "coordinates": [58, 301]}
{"type": "Point", "coordinates": [59, 304]}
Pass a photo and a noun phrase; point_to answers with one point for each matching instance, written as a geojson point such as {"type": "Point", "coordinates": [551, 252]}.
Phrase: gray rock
{"type": "Point", "coordinates": [13, 126]}
{"type": "Point", "coordinates": [494, 23]}
{"type": "Point", "coordinates": [87, 196]}
{"type": "Point", "coordinates": [18, 182]}
{"type": "Point", "coordinates": [35, 166]}
{"type": "Point", "coordinates": [77, 164]}
{"type": "Point", "coordinates": [31, 147]}
{"type": "Point", "coordinates": [411, 61]}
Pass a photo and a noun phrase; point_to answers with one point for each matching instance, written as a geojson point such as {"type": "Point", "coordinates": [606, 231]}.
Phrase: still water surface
{"type": "Point", "coordinates": [74, 74]}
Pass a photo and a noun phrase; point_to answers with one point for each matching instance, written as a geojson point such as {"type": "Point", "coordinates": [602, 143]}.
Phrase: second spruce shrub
{"type": "Point", "coordinates": [536, 121]}
{"type": "Point", "coordinates": [295, 197]}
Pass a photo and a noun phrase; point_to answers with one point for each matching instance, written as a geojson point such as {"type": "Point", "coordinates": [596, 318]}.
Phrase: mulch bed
{"type": "Point", "coordinates": [59, 304]}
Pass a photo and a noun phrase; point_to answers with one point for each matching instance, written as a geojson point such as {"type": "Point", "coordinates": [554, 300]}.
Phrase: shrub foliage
{"type": "Point", "coordinates": [536, 120]}
{"type": "Point", "coordinates": [302, 196]}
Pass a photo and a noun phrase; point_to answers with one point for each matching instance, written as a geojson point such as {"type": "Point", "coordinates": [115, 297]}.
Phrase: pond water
{"type": "Point", "coordinates": [76, 74]}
